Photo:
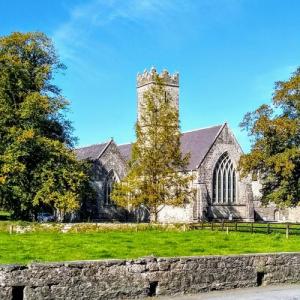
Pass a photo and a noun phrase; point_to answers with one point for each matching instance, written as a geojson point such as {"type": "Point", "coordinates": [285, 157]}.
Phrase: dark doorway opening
{"type": "Point", "coordinates": [152, 289]}
{"type": "Point", "coordinates": [260, 278]}
{"type": "Point", "coordinates": [17, 292]}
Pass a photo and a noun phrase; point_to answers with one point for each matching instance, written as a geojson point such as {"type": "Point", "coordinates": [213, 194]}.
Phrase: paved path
{"type": "Point", "coordinates": [286, 292]}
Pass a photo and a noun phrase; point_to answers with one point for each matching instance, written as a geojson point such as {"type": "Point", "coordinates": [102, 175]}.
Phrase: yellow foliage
{"type": "Point", "coordinates": [26, 135]}
{"type": "Point", "coordinates": [2, 179]}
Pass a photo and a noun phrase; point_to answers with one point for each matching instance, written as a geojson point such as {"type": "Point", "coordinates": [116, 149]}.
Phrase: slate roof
{"type": "Point", "coordinates": [196, 142]}
{"type": "Point", "coordinates": [90, 152]}
{"type": "Point", "coordinates": [125, 151]}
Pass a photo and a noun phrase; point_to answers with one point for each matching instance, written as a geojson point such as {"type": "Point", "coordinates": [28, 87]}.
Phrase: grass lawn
{"type": "Point", "coordinates": [47, 246]}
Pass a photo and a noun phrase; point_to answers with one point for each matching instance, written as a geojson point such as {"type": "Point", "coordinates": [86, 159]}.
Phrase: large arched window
{"type": "Point", "coordinates": [224, 181]}
{"type": "Point", "coordinates": [109, 183]}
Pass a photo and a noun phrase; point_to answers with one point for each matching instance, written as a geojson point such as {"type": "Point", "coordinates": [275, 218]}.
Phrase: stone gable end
{"type": "Point", "coordinates": [224, 142]}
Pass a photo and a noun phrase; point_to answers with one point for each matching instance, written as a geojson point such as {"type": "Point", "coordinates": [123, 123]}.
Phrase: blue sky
{"type": "Point", "coordinates": [229, 53]}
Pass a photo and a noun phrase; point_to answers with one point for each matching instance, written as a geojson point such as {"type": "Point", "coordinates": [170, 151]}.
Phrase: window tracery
{"type": "Point", "coordinates": [224, 181]}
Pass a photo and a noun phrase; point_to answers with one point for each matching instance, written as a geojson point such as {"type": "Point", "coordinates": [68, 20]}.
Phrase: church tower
{"type": "Point", "coordinates": [147, 79]}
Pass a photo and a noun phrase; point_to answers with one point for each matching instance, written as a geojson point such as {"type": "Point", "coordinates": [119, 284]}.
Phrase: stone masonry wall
{"type": "Point", "coordinates": [110, 160]}
{"type": "Point", "coordinates": [120, 279]}
{"type": "Point", "coordinates": [243, 208]}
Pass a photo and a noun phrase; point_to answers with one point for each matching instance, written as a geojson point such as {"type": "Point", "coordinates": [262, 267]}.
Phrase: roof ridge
{"type": "Point", "coordinates": [98, 144]}
{"type": "Point", "coordinates": [219, 125]}
{"type": "Point", "coordinates": [214, 140]}
{"type": "Point", "coordinates": [105, 147]}
{"type": "Point", "coordinates": [130, 143]}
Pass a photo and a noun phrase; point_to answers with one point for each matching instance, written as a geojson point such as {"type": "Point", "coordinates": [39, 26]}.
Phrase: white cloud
{"type": "Point", "coordinates": [93, 14]}
{"type": "Point", "coordinates": [99, 13]}
{"type": "Point", "coordinates": [90, 19]}
{"type": "Point", "coordinates": [81, 37]}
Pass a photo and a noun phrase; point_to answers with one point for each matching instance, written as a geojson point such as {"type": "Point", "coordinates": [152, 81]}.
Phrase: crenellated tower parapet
{"type": "Point", "coordinates": [147, 79]}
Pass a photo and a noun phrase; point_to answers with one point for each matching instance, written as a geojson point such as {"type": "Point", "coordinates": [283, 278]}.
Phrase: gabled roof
{"type": "Point", "coordinates": [91, 152]}
{"type": "Point", "coordinates": [125, 151]}
{"type": "Point", "coordinates": [196, 142]}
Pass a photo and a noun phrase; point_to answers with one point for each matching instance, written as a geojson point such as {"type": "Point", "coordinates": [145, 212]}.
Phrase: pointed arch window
{"type": "Point", "coordinates": [109, 184]}
{"type": "Point", "coordinates": [224, 181]}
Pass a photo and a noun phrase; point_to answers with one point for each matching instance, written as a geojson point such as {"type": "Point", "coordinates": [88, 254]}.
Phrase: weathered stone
{"type": "Point", "coordinates": [119, 279]}
{"type": "Point", "coordinates": [5, 292]}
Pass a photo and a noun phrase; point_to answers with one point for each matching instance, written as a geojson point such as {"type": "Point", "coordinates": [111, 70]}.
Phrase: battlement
{"type": "Point", "coordinates": [149, 77]}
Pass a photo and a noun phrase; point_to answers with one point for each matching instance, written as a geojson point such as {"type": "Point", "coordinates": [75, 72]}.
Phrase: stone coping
{"type": "Point", "coordinates": [140, 260]}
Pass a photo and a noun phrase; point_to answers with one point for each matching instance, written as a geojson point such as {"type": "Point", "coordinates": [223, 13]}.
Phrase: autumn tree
{"type": "Point", "coordinates": [157, 171]}
{"type": "Point", "coordinates": [275, 151]}
{"type": "Point", "coordinates": [37, 164]}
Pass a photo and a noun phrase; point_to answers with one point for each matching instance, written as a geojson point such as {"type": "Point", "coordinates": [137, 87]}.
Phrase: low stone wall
{"type": "Point", "coordinates": [116, 279]}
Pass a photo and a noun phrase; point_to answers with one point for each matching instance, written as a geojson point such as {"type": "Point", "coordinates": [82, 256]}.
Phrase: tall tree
{"type": "Point", "coordinates": [275, 152]}
{"type": "Point", "coordinates": [37, 163]}
{"type": "Point", "coordinates": [157, 171]}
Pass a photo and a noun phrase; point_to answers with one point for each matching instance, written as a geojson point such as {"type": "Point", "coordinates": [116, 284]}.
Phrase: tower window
{"type": "Point", "coordinates": [224, 181]}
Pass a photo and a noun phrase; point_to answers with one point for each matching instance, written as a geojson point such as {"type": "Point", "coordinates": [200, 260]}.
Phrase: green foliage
{"type": "Point", "coordinates": [157, 174]}
{"type": "Point", "coordinates": [37, 163]}
{"type": "Point", "coordinates": [275, 152]}
{"type": "Point", "coordinates": [4, 215]}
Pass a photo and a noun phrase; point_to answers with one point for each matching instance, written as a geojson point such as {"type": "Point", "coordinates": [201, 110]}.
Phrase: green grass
{"type": "Point", "coordinates": [53, 246]}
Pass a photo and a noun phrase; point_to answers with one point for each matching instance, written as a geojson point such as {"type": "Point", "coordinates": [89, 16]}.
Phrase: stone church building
{"type": "Point", "coordinates": [214, 155]}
